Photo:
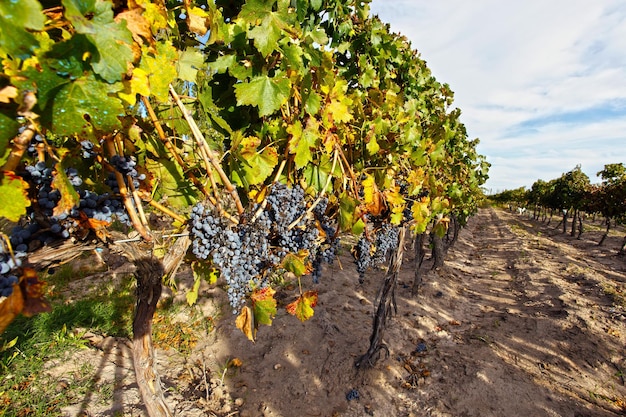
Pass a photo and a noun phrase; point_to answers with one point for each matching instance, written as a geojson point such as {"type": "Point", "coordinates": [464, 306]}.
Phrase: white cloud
{"type": "Point", "coordinates": [516, 66]}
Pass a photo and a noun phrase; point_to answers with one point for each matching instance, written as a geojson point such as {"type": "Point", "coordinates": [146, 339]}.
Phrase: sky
{"type": "Point", "coordinates": [541, 83]}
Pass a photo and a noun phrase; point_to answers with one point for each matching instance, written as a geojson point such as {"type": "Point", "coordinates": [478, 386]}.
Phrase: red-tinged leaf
{"type": "Point", "coordinates": [69, 196]}
{"type": "Point", "coordinates": [85, 224]}
{"type": "Point", "coordinates": [302, 308]}
{"type": "Point", "coordinates": [10, 307]}
{"type": "Point", "coordinates": [32, 288]}
{"type": "Point", "coordinates": [14, 196]}
{"type": "Point", "coordinates": [245, 322]}
{"type": "Point", "coordinates": [264, 306]}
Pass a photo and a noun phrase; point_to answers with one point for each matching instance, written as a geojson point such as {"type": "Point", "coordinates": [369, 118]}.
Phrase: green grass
{"type": "Point", "coordinates": [28, 343]}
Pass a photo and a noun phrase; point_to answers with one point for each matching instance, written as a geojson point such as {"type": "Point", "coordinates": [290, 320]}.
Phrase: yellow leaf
{"type": "Point", "coordinates": [369, 189]}
{"type": "Point", "coordinates": [245, 322]}
{"type": "Point", "coordinates": [10, 307]}
{"type": "Point", "coordinates": [234, 363]}
{"type": "Point", "coordinates": [372, 196]}
{"type": "Point", "coordinates": [7, 93]}
{"type": "Point", "coordinates": [138, 84]}
{"type": "Point", "coordinates": [421, 214]}
{"type": "Point", "coordinates": [197, 20]}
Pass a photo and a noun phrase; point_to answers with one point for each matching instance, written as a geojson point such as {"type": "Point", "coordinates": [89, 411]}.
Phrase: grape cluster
{"type": "Point", "coordinates": [241, 253]}
{"type": "Point", "coordinates": [127, 166]}
{"type": "Point", "coordinates": [386, 242]}
{"type": "Point", "coordinates": [353, 394]}
{"type": "Point", "coordinates": [290, 229]}
{"type": "Point", "coordinates": [370, 254]}
{"type": "Point", "coordinates": [41, 226]}
{"type": "Point", "coordinates": [328, 247]}
{"type": "Point", "coordinates": [8, 267]}
{"type": "Point", "coordinates": [35, 142]}
{"type": "Point", "coordinates": [88, 149]}
{"type": "Point", "coordinates": [363, 255]}
{"type": "Point", "coordinates": [248, 252]}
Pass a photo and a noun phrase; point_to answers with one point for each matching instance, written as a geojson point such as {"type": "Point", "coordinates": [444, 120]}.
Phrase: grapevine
{"type": "Point", "coordinates": [294, 130]}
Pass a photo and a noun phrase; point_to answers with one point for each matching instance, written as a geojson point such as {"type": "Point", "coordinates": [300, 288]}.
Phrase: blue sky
{"type": "Point", "coordinates": [541, 83]}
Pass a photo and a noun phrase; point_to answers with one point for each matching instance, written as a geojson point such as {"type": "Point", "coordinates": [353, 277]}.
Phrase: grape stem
{"type": "Point", "coordinates": [170, 147]}
{"type": "Point", "coordinates": [350, 172]}
{"type": "Point", "coordinates": [131, 185]}
{"type": "Point", "coordinates": [130, 208]}
{"type": "Point", "coordinates": [166, 210]}
{"type": "Point", "coordinates": [20, 144]}
{"type": "Point", "coordinates": [207, 153]}
{"type": "Point", "coordinates": [264, 202]}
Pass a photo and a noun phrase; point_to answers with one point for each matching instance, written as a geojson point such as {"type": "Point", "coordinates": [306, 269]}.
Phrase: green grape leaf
{"type": "Point", "coordinates": [266, 36]}
{"type": "Point", "coordinates": [14, 196]}
{"type": "Point", "coordinates": [201, 271]}
{"type": "Point", "coordinates": [319, 36]}
{"type": "Point", "coordinates": [439, 204]}
{"type": "Point", "coordinates": [69, 196]}
{"type": "Point", "coordinates": [8, 129]}
{"type": "Point", "coordinates": [358, 227]}
{"type": "Point", "coordinates": [312, 102]}
{"type": "Point", "coordinates": [316, 173]}
{"type": "Point", "coordinates": [113, 57]}
{"type": "Point", "coordinates": [82, 103]}
{"type": "Point", "coordinates": [302, 308]}
{"type": "Point", "coordinates": [267, 24]}
{"type": "Point", "coordinates": [421, 215]}
{"type": "Point", "coordinates": [217, 26]}
{"type": "Point", "coordinates": [438, 153]}
{"type": "Point", "coordinates": [295, 264]}
{"type": "Point", "coordinates": [15, 41]}
{"type": "Point", "coordinates": [212, 110]}
{"type": "Point", "coordinates": [192, 294]}
{"type": "Point", "coordinates": [372, 145]}
{"type": "Point", "coordinates": [441, 227]}
{"type": "Point", "coordinates": [347, 207]}
{"type": "Point", "coordinates": [264, 306]}
{"type": "Point", "coordinates": [293, 54]}
{"type": "Point", "coordinates": [256, 165]}
{"type": "Point", "coordinates": [302, 142]}
{"type": "Point", "coordinates": [25, 13]}
{"type": "Point", "coordinates": [172, 183]}
{"type": "Point", "coordinates": [223, 63]}
{"type": "Point", "coordinates": [267, 93]}
{"type": "Point", "coordinates": [15, 18]}
{"type": "Point", "coordinates": [316, 4]}
{"type": "Point", "coordinates": [113, 40]}
{"type": "Point", "coordinates": [45, 82]}
{"type": "Point", "coordinates": [189, 62]}
{"type": "Point", "coordinates": [160, 68]}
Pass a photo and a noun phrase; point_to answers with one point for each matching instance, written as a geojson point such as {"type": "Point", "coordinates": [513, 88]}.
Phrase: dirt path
{"type": "Point", "coordinates": [515, 324]}
{"type": "Point", "coordinates": [537, 335]}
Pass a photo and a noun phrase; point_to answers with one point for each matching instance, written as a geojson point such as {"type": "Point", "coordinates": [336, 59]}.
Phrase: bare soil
{"type": "Point", "coordinates": [522, 321]}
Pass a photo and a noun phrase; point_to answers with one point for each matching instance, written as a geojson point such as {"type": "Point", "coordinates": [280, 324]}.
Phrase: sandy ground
{"type": "Point", "coordinates": [520, 322]}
